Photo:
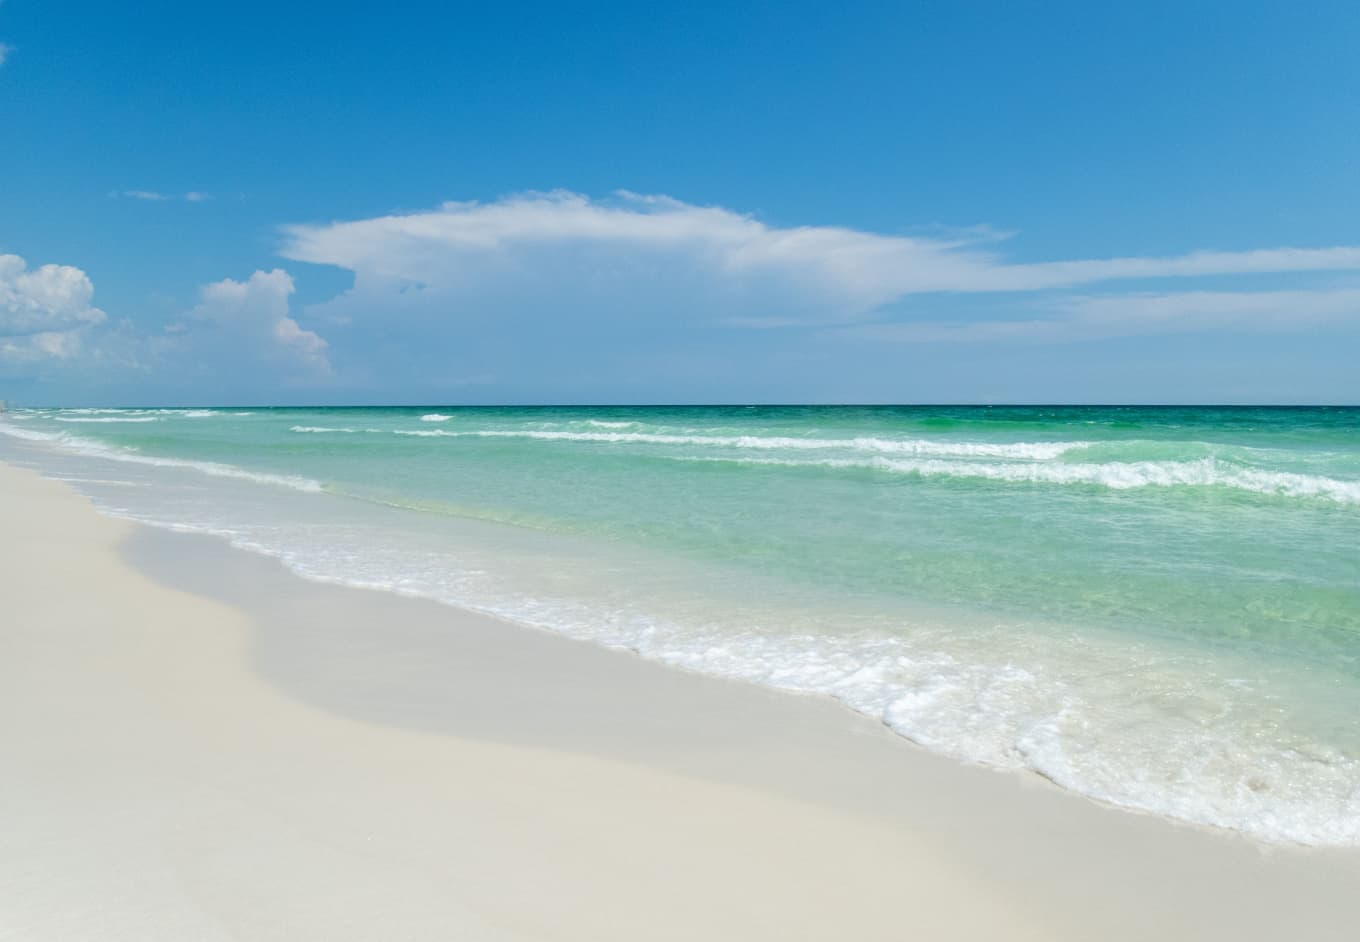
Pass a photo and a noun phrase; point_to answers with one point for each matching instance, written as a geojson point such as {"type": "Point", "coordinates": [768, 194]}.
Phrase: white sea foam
{"type": "Point", "coordinates": [110, 482]}
{"type": "Point", "coordinates": [132, 415]}
{"type": "Point", "coordinates": [1116, 475]}
{"type": "Point", "coordinates": [92, 411]}
{"type": "Point", "coordinates": [435, 417]}
{"type": "Point", "coordinates": [1037, 451]}
{"type": "Point", "coordinates": [325, 429]}
{"type": "Point", "coordinates": [1027, 462]}
{"type": "Point", "coordinates": [992, 700]}
{"type": "Point", "coordinates": [32, 435]}
{"type": "Point", "coordinates": [98, 449]}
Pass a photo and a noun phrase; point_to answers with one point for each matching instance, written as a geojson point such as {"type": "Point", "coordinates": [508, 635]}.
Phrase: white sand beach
{"type": "Point", "coordinates": [195, 744]}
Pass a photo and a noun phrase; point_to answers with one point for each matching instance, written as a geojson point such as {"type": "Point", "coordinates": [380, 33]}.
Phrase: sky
{"type": "Point", "coordinates": [445, 203]}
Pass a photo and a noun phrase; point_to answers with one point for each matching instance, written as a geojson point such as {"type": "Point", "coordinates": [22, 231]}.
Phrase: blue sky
{"type": "Point", "coordinates": [408, 202]}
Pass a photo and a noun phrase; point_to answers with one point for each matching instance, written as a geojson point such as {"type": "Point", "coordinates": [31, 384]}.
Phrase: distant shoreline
{"type": "Point", "coordinates": [697, 405]}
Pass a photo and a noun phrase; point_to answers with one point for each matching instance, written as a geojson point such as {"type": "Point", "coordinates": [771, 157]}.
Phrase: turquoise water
{"type": "Point", "coordinates": [1157, 607]}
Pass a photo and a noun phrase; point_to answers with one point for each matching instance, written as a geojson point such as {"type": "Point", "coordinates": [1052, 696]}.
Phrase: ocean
{"type": "Point", "coordinates": [1157, 607]}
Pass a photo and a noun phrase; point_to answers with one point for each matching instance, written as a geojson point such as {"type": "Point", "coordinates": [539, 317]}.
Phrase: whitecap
{"type": "Point", "coordinates": [1037, 451]}
{"type": "Point", "coordinates": [1204, 472]}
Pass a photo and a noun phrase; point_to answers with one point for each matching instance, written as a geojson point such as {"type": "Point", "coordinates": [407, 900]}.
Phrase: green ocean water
{"type": "Point", "coordinates": [1158, 607]}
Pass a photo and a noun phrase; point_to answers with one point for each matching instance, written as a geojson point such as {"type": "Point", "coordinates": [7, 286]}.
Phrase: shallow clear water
{"type": "Point", "coordinates": [1158, 607]}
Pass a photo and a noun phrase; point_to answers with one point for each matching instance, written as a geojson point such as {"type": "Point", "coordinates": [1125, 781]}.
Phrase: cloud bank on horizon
{"type": "Point", "coordinates": [864, 268]}
{"type": "Point", "coordinates": [752, 274]}
{"type": "Point", "coordinates": [607, 293]}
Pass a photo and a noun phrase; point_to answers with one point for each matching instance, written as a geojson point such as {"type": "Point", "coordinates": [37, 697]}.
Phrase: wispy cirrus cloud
{"type": "Point", "coordinates": [1089, 317]}
{"type": "Point", "coordinates": [154, 196]}
{"type": "Point", "coordinates": [1201, 310]}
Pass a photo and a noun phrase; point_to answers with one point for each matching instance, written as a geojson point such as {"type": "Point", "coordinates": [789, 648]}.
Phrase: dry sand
{"type": "Point", "coordinates": [196, 744]}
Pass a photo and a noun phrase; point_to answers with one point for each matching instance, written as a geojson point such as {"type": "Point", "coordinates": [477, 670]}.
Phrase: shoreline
{"type": "Point", "coordinates": [989, 618]}
{"type": "Point", "coordinates": [197, 709]}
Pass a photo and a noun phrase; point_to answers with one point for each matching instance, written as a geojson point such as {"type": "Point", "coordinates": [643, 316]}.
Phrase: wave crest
{"type": "Point", "coordinates": [1037, 451]}
{"type": "Point", "coordinates": [85, 446]}
{"type": "Point", "coordinates": [1204, 472]}
{"type": "Point", "coordinates": [327, 429]}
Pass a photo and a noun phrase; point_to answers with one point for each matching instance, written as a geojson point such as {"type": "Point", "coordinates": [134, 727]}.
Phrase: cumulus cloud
{"type": "Point", "coordinates": [43, 311]}
{"type": "Point", "coordinates": [240, 335]}
{"type": "Point", "coordinates": [41, 348]}
{"type": "Point", "coordinates": [560, 296]}
{"type": "Point", "coordinates": [647, 252]}
{"type": "Point", "coordinates": [238, 322]}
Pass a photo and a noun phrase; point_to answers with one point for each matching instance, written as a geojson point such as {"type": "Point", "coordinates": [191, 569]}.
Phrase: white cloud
{"type": "Point", "coordinates": [609, 247]}
{"type": "Point", "coordinates": [236, 322]}
{"type": "Point", "coordinates": [194, 196]}
{"type": "Point", "coordinates": [41, 347]}
{"type": "Point", "coordinates": [240, 333]}
{"type": "Point", "coordinates": [721, 265]}
{"type": "Point", "coordinates": [5, 50]}
{"type": "Point", "coordinates": [43, 312]}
